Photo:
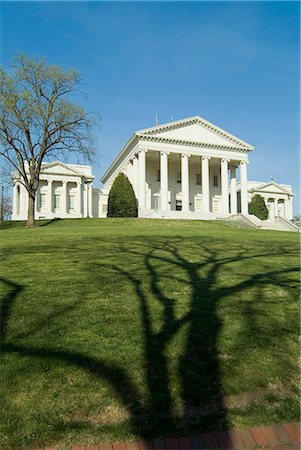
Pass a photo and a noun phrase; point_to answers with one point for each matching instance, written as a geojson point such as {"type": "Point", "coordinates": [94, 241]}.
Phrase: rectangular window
{"type": "Point", "coordinates": [158, 175]}
{"type": "Point", "coordinates": [178, 205]}
{"type": "Point", "coordinates": [42, 201]}
{"type": "Point", "coordinates": [71, 202]}
{"type": "Point", "coordinates": [215, 180]}
{"type": "Point", "coordinates": [198, 179]}
{"type": "Point", "coordinates": [56, 201]}
{"type": "Point", "coordinates": [178, 177]}
{"type": "Point", "coordinates": [104, 209]}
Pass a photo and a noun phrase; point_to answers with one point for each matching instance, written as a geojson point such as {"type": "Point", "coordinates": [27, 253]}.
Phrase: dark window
{"type": "Point", "coordinates": [215, 180]}
{"type": "Point", "coordinates": [198, 179]}
{"type": "Point", "coordinates": [178, 205]}
{"type": "Point", "coordinates": [178, 177]}
{"type": "Point", "coordinates": [158, 175]}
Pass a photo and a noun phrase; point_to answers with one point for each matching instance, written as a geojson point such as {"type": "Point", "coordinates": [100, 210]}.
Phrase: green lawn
{"type": "Point", "coordinates": [128, 328]}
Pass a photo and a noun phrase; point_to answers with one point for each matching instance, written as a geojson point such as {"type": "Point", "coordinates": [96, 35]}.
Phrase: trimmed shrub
{"type": "Point", "coordinates": [122, 201]}
{"type": "Point", "coordinates": [258, 207]}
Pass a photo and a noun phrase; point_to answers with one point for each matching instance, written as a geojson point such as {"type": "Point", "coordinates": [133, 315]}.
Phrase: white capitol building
{"type": "Point", "coordinates": [188, 169]}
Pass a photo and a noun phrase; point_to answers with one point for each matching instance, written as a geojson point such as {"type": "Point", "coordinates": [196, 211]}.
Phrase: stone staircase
{"type": "Point", "coordinates": [278, 224]}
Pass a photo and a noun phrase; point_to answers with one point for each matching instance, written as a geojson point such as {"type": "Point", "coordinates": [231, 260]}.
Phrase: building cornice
{"type": "Point", "coordinates": [146, 137]}
{"type": "Point", "coordinates": [66, 175]}
{"type": "Point", "coordinates": [197, 119]}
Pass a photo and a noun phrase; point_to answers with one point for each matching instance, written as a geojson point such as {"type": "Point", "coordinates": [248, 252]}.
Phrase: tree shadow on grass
{"type": "Point", "coordinates": [201, 389]}
{"type": "Point", "coordinates": [49, 222]}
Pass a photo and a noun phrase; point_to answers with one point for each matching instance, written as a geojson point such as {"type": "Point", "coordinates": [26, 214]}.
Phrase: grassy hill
{"type": "Point", "coordinates": [123, 328]}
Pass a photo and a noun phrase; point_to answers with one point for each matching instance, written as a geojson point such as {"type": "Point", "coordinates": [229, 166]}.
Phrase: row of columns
{"type": "Point", "coordinates": [287, 207]}
{"type": "Point", "coordinates": [83, 199]}
{"type": "Point", "coordinates": [140, 182]}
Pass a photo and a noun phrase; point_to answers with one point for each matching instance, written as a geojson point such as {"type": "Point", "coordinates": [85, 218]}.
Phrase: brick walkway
{"type": "Point", "coordinates": [280, 437]}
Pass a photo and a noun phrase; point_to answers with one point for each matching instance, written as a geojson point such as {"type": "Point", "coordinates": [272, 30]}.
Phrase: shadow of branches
{"type": "Point", "coordinates": [198, 277]}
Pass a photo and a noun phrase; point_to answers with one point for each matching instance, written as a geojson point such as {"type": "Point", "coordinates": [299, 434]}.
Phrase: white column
{"type": "Point", "coordinates": [15, 200]}
{"type": "Point", "coordinates": [290, 209]}
{"type": "Point", "coordinates": [79, 197]}
{"type": "Point", "coordinates": [90, 199]}
{"type": "Point", "coordinates": [285, 209]}
{"type": "Point", "coordinates": [233, 190]}
{"type": "Point", "coordinates": [185, 182]}
{"type": "Point", "coordinates": [224, 185]}
{"type": "Point", "coordinates": [142, 178]}
{"type": "Point", "coordinates": [205, 183]}
{"type": "Point", "coordinates": [243, 187]}
{"type": "Point", "coordinates": [64, 196]}
{"type": "Point", "coordinates": [23, 201]}
{"type": "Point", "coordinates": [164, 180]}
{"type": "Point", "coordinates": [49, 200]}
{"type": "Point", "coordinates": [36, 203]}
{"type": "Point", "coordinates": [136, 175]}
{"type": "Point", "coordinates": [85, 200]}
{"type": "Point", "coordinates": [276, 207]}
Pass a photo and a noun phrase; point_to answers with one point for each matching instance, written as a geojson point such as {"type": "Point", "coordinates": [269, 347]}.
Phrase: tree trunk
{"type": "Point", "coordinates": [30, 213]}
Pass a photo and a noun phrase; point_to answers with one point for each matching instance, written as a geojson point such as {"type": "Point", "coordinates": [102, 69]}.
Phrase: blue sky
{"type": "Point", "coordinates": [234, 63]}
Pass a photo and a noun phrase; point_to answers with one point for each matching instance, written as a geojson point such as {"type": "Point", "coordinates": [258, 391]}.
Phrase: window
{"type": "Point", "coordinates": [178, 205]}
{"type": "Point", "coordinates": [178, 177]}
{"type": "Point", "coordinates": [56, 201]}
{"type": "Point", "coordinates": [198, 179]}
{"type": "Point", "coordinates": [215, 180]}
{"type": "Point", "coordinates": [104, 209]}
{"type": "Point", "coordinates": [158, 175]}
{"type": "Point", "coordinates": [42, 201]}
{"type": "Point", "coordinates": [71, 202]}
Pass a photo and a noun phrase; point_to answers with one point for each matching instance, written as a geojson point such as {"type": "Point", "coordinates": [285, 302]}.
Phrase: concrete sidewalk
{"type": "Point", "coordinates": [280, 436]}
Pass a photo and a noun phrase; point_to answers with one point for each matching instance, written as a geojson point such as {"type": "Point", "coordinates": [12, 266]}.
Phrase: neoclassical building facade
{"type": "Point", "coordinates": [189, 169]}
{"type": "Point", "coordinates": [65, 191]}
{"type": "Point", "coordinates": [185, 169]}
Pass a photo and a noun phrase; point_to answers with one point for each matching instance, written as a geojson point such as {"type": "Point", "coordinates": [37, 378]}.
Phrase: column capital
{"type": "Point", "coordinates": [225, 160]}
{"type": "Point", "coordinates": [163, 152]}
{"type": "Point", "coordinates": [142, 150]}
{"type": "Point", "coordinates": [185, 154]}
{"type": "Point", "coordinates": [205, 157]}
{"type": "Point", "coordinates": [244, 162]}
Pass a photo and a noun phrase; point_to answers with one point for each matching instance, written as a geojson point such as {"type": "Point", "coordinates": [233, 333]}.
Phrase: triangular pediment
{"type": "Point", "coordinates": [58, 167]}
{"type": "Point", "coordinates": [270, 187]}
{"type": "Point", "coordinates": [194, 130]}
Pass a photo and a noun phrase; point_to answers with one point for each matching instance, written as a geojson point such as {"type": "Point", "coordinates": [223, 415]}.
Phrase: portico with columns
{"type": "Point", "coordinates": [278, 198]}
{"type": "Point", "coordinates": [64, 191]}
{"type": "Point", "coordinates": [187, 168]}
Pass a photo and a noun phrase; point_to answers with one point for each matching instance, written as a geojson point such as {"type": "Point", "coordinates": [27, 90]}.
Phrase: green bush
{"type": "Point", "coordinates": [258, 208]}
{"type": "Point", "coordinates": [122, 201]}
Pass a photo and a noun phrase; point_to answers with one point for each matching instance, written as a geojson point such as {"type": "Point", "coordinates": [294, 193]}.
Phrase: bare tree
{"type": "Point", "coordinates": [38, 120]}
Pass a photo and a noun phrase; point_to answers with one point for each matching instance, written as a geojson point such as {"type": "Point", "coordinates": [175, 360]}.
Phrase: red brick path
{"type": "Point", "coordinates": [280, 437]}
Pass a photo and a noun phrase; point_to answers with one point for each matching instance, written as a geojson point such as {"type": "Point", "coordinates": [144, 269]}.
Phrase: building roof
{"type": "Point", "coordinates": [192, 131]}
